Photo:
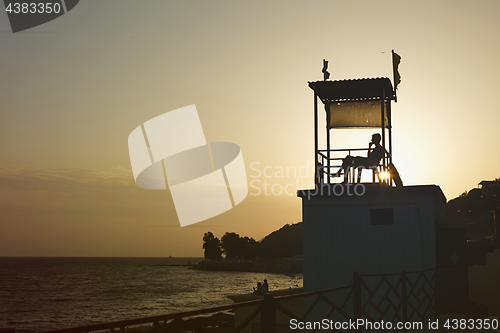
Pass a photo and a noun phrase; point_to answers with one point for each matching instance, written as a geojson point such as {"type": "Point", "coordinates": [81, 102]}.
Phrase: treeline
{"type": "Point", "coordinates": [231, 245]}
{"type": "Point", "coordinates": [282, 243]}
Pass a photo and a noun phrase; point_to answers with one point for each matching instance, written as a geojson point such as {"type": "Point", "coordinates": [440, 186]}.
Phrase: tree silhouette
{"type": "Point", "coordinates": [231, 245]}
{"type": "Point", "coordinates": [211, 244]}
{"type": "Point", "coordinates": [248, 248]}
{"type": "Point", "coordinates": [282, 243]}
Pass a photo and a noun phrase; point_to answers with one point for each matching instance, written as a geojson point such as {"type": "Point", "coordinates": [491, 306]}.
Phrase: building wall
{"type": "Point", "coordinates": [339, 238]}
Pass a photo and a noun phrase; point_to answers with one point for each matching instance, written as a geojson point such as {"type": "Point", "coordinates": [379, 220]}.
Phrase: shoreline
{"type": "Point", "coordinates": [276, 266]}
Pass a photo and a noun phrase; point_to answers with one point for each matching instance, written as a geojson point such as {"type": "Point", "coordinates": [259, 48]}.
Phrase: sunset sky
{"type": "Point", "coordinates": [73, 89]}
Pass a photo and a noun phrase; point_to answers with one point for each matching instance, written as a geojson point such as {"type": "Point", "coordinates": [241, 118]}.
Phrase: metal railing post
{"type": "Point", "coordinates": [268, 315]}
{"type": "Point", "coordinates": [316, 174]}
{"type": "Point", "coordinates": [434, 286]}
{"type": "Point", "coordinates": [356, 297]}
{"type": "Point", "coordinates": [404, 299]}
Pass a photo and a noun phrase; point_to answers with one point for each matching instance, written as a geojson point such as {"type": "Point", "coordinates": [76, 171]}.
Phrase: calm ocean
{"type": "Point", "coordinates": [39, 294]}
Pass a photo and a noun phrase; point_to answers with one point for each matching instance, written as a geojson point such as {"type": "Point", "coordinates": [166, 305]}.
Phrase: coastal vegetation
{"type": "Point", "coordinates": [283, 243]}
{"type": "Point", "coordinates": [278, 252]}
{"type": "Point", "coordinates": [231, 245]}
{"type": "Point", "coordinates": [211, 246]}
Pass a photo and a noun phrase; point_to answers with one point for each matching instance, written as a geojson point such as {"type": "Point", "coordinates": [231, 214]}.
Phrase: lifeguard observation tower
{"type": "Point", "coordinates": [378, 229]}
{"type": "Point", "coordinates": [353, 104]}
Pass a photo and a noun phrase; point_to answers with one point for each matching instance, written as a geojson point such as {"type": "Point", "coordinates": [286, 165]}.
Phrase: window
{"type": "Point", "coordinates": [381, 216]}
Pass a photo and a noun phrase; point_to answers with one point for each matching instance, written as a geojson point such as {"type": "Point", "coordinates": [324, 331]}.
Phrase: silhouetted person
{"type": "Point", "coordinates": [265, 285]}
{"type": "Point", "coordinates": [260, 289]}
{"type": "Point", "coordinates": [372, 160]}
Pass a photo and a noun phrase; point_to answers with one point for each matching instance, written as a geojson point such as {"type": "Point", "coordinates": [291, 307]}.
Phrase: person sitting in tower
{"type": "Point", "coordinates": [375, 155]}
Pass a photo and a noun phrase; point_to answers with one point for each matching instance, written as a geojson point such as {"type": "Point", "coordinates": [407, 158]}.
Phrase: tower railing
{"type": "Point", "coordinates": [327, 166]}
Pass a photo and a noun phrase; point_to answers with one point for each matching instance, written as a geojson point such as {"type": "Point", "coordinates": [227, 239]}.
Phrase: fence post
{"type": "Point", "coordinates": [434, 286]}
{"type": "Point", "coordinates": [356, 297]}
{"type": "Point", "coordinates": [404, 299]}
{"type": "Point", "coordinates": [268, 315]}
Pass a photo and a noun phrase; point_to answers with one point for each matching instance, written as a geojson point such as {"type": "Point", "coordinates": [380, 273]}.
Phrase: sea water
{"type": "Point", "coordinates": [40, 294]}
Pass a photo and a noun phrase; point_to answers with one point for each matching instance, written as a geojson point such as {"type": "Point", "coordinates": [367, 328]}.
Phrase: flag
{"type": "Point", "coordinates": [326, 74]}
{"type": "Point", "coordinates": [396, 59]}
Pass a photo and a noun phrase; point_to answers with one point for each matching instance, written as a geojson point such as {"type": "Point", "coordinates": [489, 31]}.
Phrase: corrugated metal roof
{"type": "Point", "coordinates": [353, 90]}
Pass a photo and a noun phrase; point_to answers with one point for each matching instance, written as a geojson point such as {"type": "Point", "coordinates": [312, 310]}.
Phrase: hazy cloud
{"type": "Point", "coordinates": [77, 191]}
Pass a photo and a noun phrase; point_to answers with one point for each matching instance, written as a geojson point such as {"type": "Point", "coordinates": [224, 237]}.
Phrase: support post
{"type": "Point", "coordinates": [328, 171]}
{"type": "Point", "coordinates": [268, 315]}
{"type": "Point", "coordinates": [404, 299]}
{"type": "Point", "coordinates": [382, 114]}
{"type": "Point", "coordinates": [316, 162]}
{"type": "Point", "coordinates": [496, 226]}
{"type": "Point", "coordinates": [389, 119]}
{"type": "Point", "coordinates": [434, 285]}
{"type": "Point", "coordinates": [356, 297]}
